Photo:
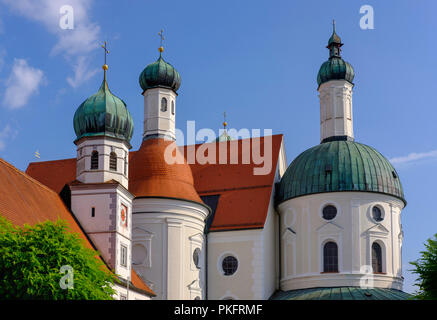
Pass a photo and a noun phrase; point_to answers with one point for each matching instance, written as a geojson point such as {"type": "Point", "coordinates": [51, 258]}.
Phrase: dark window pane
{"type": "Point", "coordinates": [196, 258]}
{"type": "Point", "coordinates": [329, 212]}
{"type": "Point", "coordinates": [95, 160]}
{"type": "Point", "coordinates": [377, 214]}
{"type": "Point", "coordinates": [229, 265]}
{"type": "Point", "coordinates": [330, 257]}
{"type": "Point", "coordinates": [113, 161]}
{"type": "Point", "coordinates": [376, 257]}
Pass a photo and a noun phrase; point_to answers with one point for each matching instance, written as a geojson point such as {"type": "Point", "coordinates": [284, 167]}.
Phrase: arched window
{"type": "Point", "coordinates": [94, 160]}
{"type": "Point", "coordinates": [376, 258]}
{"type": "Point", "coordinates": [113, 161]}
{"type": "Point", "coordinates": [330, 257]}
{"type": "Point", "coordinates": [163, 104]}
{"type": "Point", "coordinates": [172, 107]}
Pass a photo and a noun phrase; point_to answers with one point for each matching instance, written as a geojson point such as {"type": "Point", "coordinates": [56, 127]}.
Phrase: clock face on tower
{"type": "Point", "coordinates": [123, 215]}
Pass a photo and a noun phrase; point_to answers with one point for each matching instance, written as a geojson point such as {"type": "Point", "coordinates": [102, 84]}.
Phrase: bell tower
{"type": "Point", "coordinates": [100, 199]}
{"type": "Point", "coordinates": [159, 81]}
{"type": "Point", "coordinates": [335, 92]}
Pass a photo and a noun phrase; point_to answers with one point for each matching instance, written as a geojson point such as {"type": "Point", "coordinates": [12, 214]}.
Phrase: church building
{"type": "Point", "coordinates": [328, 226]}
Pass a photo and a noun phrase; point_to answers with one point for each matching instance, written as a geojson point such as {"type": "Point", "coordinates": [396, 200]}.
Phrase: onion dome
{"type": "Point", "coordinates": [224, 136]}
{"type": "Point", "coordinates": [151, 175]}
{"type": "Point", "coordinates": [338, 166]}
{"type": "Point", "coordinates": [103, 114]}
{"type": "Point", "coordinates": [160, 74]}
{"type": "Point", "coordinates": [335, 68]}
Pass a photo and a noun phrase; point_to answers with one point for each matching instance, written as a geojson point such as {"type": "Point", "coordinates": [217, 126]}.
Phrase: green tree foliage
{"type": "Point", "coordinates": [426, 268]}
{"type": "Point", "coordinates": [31, 258]}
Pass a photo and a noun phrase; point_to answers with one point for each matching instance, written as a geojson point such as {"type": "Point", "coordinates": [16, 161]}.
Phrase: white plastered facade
{"type": "Point", "coordinates": [165, 235]}
{"type": "Point", "coordinates": [336, 117]}
{"type": "Point", "coordinates": [304, 232]}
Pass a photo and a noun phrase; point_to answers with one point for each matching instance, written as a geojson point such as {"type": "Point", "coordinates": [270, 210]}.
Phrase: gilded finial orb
{"type": "Point", "coordinates": [105, 67]}
{"type": "Point", "coordinates": [160, 49]}
{"type": "Point", "coordinates": [225, 124]}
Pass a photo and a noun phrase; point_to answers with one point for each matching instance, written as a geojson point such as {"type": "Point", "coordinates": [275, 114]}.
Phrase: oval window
{"type": "Point", "coordinates": [329, 212]}
{"type": "Point", "coordinates": [229, 265]}
{"type": "Point", "coordinates": [377, 214]}
{"type": "Point", "coordinates": [196, 258]}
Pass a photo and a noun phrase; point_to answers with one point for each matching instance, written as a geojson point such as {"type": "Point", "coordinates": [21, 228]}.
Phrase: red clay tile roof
{"type": "Point", "coordinates": [150, 174]}
{"type": "Point", "coordinates": [139, 283]}
{"type": "Point", "coordinates": [244, 197]}
{"type": "Point", "coordinates": [24, 200]}
{"type": "Point", "coordinates": [54, 174]}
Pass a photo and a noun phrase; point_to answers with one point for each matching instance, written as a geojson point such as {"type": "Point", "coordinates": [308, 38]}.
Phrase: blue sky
{"type": "Point", "coordinates": [256, 60]}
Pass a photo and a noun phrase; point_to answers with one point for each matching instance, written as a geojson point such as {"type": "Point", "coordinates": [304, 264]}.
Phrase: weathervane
{"type": "Point", "coordinates": [161, 35]}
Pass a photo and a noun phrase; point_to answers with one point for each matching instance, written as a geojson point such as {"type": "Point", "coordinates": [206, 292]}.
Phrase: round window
{"type": "Point", "coordinates": [329, 212]}
{"type": "Point", "coordinates": [229, 265]}
{"type": "Point", "coordinates": [196, 258]}
{"type": "Point", "coordinates": [377, 214]}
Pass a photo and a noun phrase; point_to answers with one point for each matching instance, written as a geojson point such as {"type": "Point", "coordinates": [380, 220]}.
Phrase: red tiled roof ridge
{"type": "Point", "coordinates": [47, 161]}
{"type": "Point", "coordinates": [249, 138]}
{"type": "Point", "coordinates": [27, 176]}
{"type": "Point", "coordinates": [233, 189]}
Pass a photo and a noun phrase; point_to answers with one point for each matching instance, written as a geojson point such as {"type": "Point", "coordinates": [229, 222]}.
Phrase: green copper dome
{"type": "Point", "coordinates": [103, 114]}
{"type": "Point", "coordinates": [335, 68]}
{"type": "Point", "coordinates": [160, 74]}
{"type": "Point", "coordinates": [224, 137]}
{"type": "Point", "coordinates": [340, 166]}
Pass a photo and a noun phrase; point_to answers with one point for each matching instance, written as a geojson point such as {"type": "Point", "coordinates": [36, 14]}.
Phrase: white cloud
{"type": "Point", "coordinates": [74, 44]}
{"type": "Point", "coordinates": [413, 157]}
{"type": "Point", "coordinates": [81, 72]}
{"type": "Point", "coordinates": [23, 82]}
{"type": "Point", "coordinates": [6, 134]}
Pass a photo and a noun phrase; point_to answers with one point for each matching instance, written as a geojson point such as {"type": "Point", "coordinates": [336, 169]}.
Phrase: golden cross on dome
{"type": "Point", "coordinates": [106, 50]}
{"type": "Point", "coordinates": [161, 35]}
{"type": "Point", "coordinates": [105, 66]}
{"type": "Point", "coordinates": [224, 122]}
